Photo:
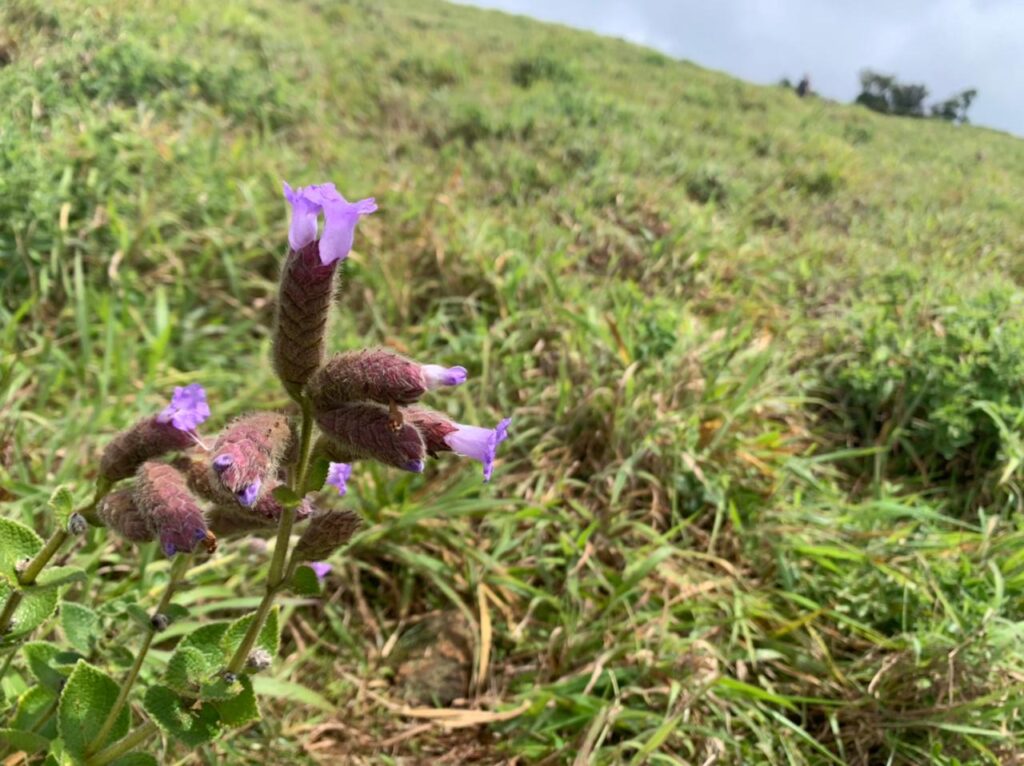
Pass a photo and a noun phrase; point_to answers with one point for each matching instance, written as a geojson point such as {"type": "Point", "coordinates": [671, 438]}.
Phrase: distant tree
{"type": "Point", "coordinates": [785, 82]}
{"type": "Point", "coordinates": [955, 109]}
{"type": "Point", "coordinates": [804, 86]}
{"type": "Point", "coordinates": [884, 93]}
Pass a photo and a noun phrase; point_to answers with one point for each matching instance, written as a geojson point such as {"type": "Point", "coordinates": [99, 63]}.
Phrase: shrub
{"type": "Point", "coordinates": [936, 384]}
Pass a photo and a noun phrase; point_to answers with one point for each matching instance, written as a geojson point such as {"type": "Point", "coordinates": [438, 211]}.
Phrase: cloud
{"type": "Point", "coordinates": [948, 45]}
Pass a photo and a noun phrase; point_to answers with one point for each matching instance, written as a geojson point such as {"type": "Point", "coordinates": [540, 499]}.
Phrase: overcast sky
{"type": "Point", "coordinates": [948, 45]}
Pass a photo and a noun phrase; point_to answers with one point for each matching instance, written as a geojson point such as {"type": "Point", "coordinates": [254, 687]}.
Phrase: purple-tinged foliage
{"type": "Point", "coordinates": [326, 532]}
{"type": "Point", "coordinates": [246, 455]}
{"type": "Point", "coordinates": [370, 431]}
{"type": "Point", "coordinates": [119, 513]}
{"type": "Point", "coordinates": [162, 495]}
{"type": "Point", "coordinates": [144, 441]}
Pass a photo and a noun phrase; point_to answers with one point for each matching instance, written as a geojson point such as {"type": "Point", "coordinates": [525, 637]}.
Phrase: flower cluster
{"type": "Point", "coordinates": [366, 404]}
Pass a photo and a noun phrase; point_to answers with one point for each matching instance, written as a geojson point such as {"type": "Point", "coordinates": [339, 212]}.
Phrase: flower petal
{"type": "Point", "coordinates": [338, 475]}
{"type": "Point", "coordinates": [188, 408]}
{"type": "Point", "coordinates": [340, 219]}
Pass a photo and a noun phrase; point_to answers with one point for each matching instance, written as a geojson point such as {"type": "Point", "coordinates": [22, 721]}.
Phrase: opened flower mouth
{"type": "Point", "coordinates": [478, 443]}
{"type": "Point", "coordinates": [340, 219]}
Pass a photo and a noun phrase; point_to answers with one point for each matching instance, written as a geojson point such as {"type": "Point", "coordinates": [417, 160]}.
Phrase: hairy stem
{"type": "Point", "coordinates": [278, 574]}
{"type": "Point", "coordinates": [118, 749]}
{"type": "Point", "coordinates": [178, 569]}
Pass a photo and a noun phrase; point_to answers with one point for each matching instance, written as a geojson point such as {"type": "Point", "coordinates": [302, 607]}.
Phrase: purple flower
{"type": "Point", "coordinates": [188, 408]}
{"type": "Point", "coordinates": [338, 475]}
{"type": "Point", "coordinates": [478, 443]}
{"type": "Point", "coordinates": [321, 569]}
{"type": "Point", "coordinates": [340, 219]}
{"type": "Point", "coordinates": [436, 376]}
{"type": "Point", "coordinates": [248, 494]}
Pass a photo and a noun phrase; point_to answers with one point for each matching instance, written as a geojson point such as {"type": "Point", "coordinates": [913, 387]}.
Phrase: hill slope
{"type": "Point", "coordinates": [762, 356]}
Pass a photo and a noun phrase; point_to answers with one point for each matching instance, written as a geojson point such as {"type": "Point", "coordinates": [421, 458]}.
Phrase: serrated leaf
{"type": "Point", "coordinates": [33, 705]}
{"type": "Point", "coordinates": [87, 699]}
{"type": "Point", "coordinates": [176, 613]}
{"type": "Point", "coordinates": [137, 613]}
{"type": "Point", "coordinates": [188, 669]}
{"type": "Point", "coordinates": [17, 542]}
{"type": "Point", "coordinates": [50, 664]}
{"type": "Point", "coordinates": [136, 759]}
{"type": "Point", "coordinates": [53, 577]}
{"type": "Point", "coordinates": [207, 639]}
{"type": "Point", "coordinates": [286, 497]}
{"type": "Point", "coordinates": [62, 503]}
{"type": "Point", "coordinates": [193, 723]}
{"type": "Point", "coordinates": [269, 637]}
{"type": "Point", "coordinates": [317, 476]}
{"type": "Point", "coordinates": [305, 582]}
{"type": "Point", "coordinates": [25, 741]}
{"type": "Point", "coordinates": [241, 708]}
{"type": "Point", "coordinates": [81, 625]}
{"type": "Point", "coordinates": [35, 607]}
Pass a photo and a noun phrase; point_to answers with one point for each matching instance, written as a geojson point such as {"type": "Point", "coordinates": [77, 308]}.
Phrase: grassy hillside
{"type": "Point", "coordinates": [762, 500]}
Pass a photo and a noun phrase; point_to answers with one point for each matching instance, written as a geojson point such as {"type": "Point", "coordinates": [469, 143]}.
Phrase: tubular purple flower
{"type": "Point", "coordinates": [437, 376]}
{"type": "Point", "coordinates": [478, 443]}
{"type": "Point", "coordinates": [188, 408]}
{"type": "Point", "coordinates": [340, 219]}
{"type": "Point", "coordinates": [306, 207]}
{"type": "Point", "coordinates": [338, 475]}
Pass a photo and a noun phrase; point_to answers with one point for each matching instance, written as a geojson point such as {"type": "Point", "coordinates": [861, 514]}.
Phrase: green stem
{"type": "Point", "coordinates": [178, 569]}
{"type": "Point", "coordinates": [118, 749]}
{"type": "Point", "coordinates": [278, 574]}
{"type": "Point", "coordinates": [27, 577]}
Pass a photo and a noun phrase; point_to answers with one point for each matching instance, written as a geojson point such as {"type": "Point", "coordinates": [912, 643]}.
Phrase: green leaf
{"type": "Point", "coordinates": [25, 741]}
{"type": "Point", "coordinates": [62, 504]}
{"type": "Point", "coordinates": [305, 582]}
{"type": "Point", "coordinates": [53, 577]}
{"type": "Point", "coordinates": [176, 613]}
{"type": "Point", "coordinates": [193, 723]}
{"type": "Point", "coordinates": [34, 705]}
{"type": "Point", "coordinates": [17, 542]}
{"type": "Point", "coordinates": [317, 475]}
{"type": "Point", "coordinates": [267, 686]}
{"type": "Point", "coordinates": [140, 615]}
{"type": "Point", "coordinates": [88, 697]}
{"type": "Point", "coordinates": [188, 669]}
{"type": "Point", "coordinates": [35, 607]}
{"type": "Point", "coordinates": [136, 759]}
{"type": "Point", "coordinates": [286, 497]}
{"type": "Point", "coordinates": [81, 625]}
{"type": "Point", "coordinates": [50, 664]}
{"type": "Point", "coordinates": [269, 637]}
{"type": "Point", "coordinates": [241, 708]}
{"type": "Point", "coordinates": [207, 639]}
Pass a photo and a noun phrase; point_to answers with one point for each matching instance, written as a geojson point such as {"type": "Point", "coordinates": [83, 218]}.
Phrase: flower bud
{"type": "Point", "coordinates": [144, 441]}
{"type": "Point", "coordinates": [159, 622]}
{"type": "Point", "coordinates": [247, 453]}
{"type": "Point", "coordinates": [230, 518]}
{"type": "Point", "coordinates": [378, 375]}
{"type": "Point", "coordinates": [119, 512]}
{"type": "Point", "coordinates": [303, 308]}
{"type": "Point", "coordinates": [326, 533]}
{"type": "Point", "coordinates": [162, 494]}
{"type": "Point", "coordinates": [77, 525]}
{"type": "Point", "coordinates": [369, 430]}
{"type": "Point", "coordinates": [260, 659]}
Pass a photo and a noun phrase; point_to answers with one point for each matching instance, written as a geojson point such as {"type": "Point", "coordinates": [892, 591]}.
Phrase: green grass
{"type": "Point", "coordinates": [762, 499]}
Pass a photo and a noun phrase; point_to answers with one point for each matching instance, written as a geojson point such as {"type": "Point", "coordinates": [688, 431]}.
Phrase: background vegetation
{"type": "Point", "coordinates": [762, 499]}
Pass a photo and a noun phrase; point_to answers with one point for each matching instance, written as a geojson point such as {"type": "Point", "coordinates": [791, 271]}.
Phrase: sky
{"type": "Point", "coordinates": [948, 45]}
